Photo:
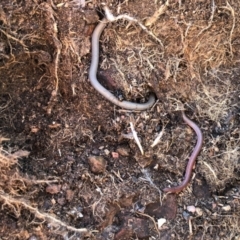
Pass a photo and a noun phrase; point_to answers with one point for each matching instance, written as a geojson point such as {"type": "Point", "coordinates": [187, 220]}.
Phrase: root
{"type": "Point", "coordinates": [229, 8]}
{"type": "Point", "coordinates": [13, 185]}
{"type": "Point", "coordinates": [52, 31]}
{"type": "Point", "coordinates": [211, 169]}
{"type": "Point", "coordinates": [17, 204]}
{"type": "Point", "coordinates": [56, 63]}
{"type": "Point", "coordinates": [14, 39]}
{"type": "Point", "coordinates": [152, 219]}
{"type": "Point", "coordinates": [211, 18]}
{"type": "Point", "coordinates": [112, 18]}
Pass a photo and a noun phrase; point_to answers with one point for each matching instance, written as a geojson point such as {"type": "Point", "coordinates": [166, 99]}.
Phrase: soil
{"type": "Point", "coordinates": [79, 173]}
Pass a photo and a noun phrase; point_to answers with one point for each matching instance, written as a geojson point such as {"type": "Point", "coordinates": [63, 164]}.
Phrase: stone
{"type": "Point", "coordinates": [53, 189]}
{"type": "Point", "coordinates": [160, 222]}
{"type": "Point", "coordinates": [191, 209]}
{"type": "Point", "coordinates": [123, 151]}
{"type": "Point", "coordinates": [97, 164]}
{"type": "Point", "coordinates": [69, 195]}
{"type": "Point", "coordinates": [115, 155]}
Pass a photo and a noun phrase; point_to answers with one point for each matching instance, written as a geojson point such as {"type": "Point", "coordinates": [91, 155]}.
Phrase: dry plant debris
{"type": "Point", "coordinates": [48, 108]}
{"type": "Point", "coordinates": [14, 191]}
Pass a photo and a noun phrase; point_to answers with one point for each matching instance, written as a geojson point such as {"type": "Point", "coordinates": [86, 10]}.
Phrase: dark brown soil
{"type": "Point", "coordinates": [84, 177]}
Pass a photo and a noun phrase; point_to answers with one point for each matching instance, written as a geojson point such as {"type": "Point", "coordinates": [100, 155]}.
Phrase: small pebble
{"type": "Point", "coordinates": [75, 213]}
{"type": "Point", "coordinates": [160, 222]}
{"type": "Point", "coordinates": [95, 151]}
{"type": "Point", "coordinates": [115, 155]}
{"type": "Point", "coordinates": [226, 208]}
{"type": "Point", "coordinates": [214, 205]}
{"type": "Point", "coordinates": [191, 209]}
{"type": "Point", "coordinates": [97, 164]}
{"type": "Point", "coordinates": [34, 129]}
{"type": "Point", "coordinates": [79, 215]}
{"type": "Point", "coordinates": [216, 149]}
{"type": "Point", "coordinates": [53, 189]}
{"type": "Point", "coordinates": [69, 195]}
{"type": "Point", "coordinates": [186, 215]}
{"type": "Point", "coordinates": [156, 167]}
{"type": "Point", "coordinates": [150, 131]}
{"type": "Point", "coordinates": [106, 151]}
{"type": "Point", "coordinates": [123, 151]}
{"type": "Point", "coordinates": [33, 238]}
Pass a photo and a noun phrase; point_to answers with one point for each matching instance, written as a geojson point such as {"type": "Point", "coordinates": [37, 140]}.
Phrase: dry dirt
{"type": "Point", "coordinates": [68, 166]}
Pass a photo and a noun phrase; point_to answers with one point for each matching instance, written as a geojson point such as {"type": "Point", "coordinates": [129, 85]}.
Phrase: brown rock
{"type": "Point", "coordinates": [123, 151]}
{"type": "Point", "coordinates": [115, 155]}
{"type": "Point", "coordinates": [69, 195]}
{"type": "Point", "coordinates": [53, 189]}
{"type": "Point", "coordinates": [97, 164]}
{"type": "Point", "coordinates": [34, 129]}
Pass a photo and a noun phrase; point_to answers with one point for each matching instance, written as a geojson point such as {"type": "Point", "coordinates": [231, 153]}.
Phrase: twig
{"type": "Point", "coordinates": [155, 104]}
{"type": "Point", "coordinates": [135, 137]}
{"type": "Point", "coordinates": [156, 141]}
{"type": "Point", "coordinates": [3, 139]}
{"type": "Point", "coordinates": [190, 226]}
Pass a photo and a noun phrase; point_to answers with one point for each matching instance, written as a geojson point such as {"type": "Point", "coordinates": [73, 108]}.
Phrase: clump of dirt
{"type": "Point", "coordinates": [85, 176]}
